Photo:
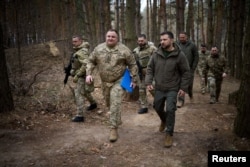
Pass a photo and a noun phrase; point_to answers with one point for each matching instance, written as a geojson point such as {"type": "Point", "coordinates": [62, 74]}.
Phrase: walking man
{"type": "Point", "coordinates": [78, 71]}
{"type": "Point", "coordinates": [215, 69]}
{"type": "Point", "coordinates": [191, 52]}
{"type": "Point", "coordinates": [203, 54]}
{"type": "Point", "coordinates": [169, 67]}
{"type": "Point", "coordinates": [142, 55]}
{"type": "Point", "coordinates": [111, 59]}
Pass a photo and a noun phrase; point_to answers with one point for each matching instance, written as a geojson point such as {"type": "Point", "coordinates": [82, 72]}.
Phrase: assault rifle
{"type": "Point", "coordinates": [67, 70]}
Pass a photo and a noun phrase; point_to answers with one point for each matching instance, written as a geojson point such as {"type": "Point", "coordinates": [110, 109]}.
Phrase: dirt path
{"type": "Point", "coordinates": [50, 139]}
{"type": "Point", "coordinates": [39, 131]}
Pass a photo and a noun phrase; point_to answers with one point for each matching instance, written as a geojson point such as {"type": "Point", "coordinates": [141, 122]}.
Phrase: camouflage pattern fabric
{"type": "Point", "coordinates": [214, 68]}
{"type": "Point", "coordinates": [79, 62]}
{"type": "Point", "coordinates": [201, 64]}
{"type": "Point", "coordinates": [143, 56]}
{"type": "Point", "coordinates": [111, 64]}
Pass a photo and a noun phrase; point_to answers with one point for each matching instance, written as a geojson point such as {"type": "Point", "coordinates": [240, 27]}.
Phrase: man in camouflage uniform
{"type": "Point", "coordinates": [78, 71]}
{"type": "Point", "coordinates": [203, 54]}
{"type": "Point", "coordinates": [142, 55]}
{"type": "Point", "coordinates": [111, 59]}
{"type": "Point", "coordinates": [215, 69]}
{"type": "Point", "coordinates": [191, 52]}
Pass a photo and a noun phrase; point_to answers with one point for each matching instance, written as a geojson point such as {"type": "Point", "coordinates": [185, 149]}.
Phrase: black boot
{"type": "Point", "coordinates": [143, 111]}
{"type": "Point", "coordinates": [78, 119]}
{"type": "Point", "coordinates": [92, 107]}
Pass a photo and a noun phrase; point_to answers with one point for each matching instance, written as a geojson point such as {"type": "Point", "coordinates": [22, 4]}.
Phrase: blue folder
{"type": "Point", "coordinates": [126, 81]}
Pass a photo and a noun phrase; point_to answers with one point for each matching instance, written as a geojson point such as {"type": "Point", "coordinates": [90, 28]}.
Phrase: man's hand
{"type": "Point", "coordinates": [89, 79]}
{"type": "Point", "coordinates": [203, 79]}
{"type": "Point", "coordinates": [133, 85]}
{"type": "Point", "coordinates": [224, 75]}
{"type": "Point", "coordinates": [150, 87]}
{"type": "Point", "coordinates": [181, 93]}
{"type": "Point", "coordinates": [75, 79]}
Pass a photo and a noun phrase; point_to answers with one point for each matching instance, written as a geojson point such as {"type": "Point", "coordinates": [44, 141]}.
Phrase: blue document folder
{"type": "Point", "coordinates": [126, 81]}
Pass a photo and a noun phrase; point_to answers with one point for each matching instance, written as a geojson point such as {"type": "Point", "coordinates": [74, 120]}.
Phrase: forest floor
{"type": "Point", "coordinates": [39, 131]}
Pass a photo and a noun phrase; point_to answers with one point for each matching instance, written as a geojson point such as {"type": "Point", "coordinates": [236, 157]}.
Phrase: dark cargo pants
{"type": "Point", "coordinates": [166, 114]}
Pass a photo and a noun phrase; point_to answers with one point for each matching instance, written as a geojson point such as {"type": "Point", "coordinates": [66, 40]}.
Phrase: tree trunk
{"type": "Point", "coordinates": [130, 39]}
{"type": "Point", "coordinates": [210, 24]}
{"type": "Point", "coordinates": [241, 123]}
{"type": "Point", "coordinates": [239, 34]}
{"type": "Point", "coordinates": [6, 100]}
{"type": "Point", "coordinates": [154, 35]}
{"type": "Point", "coordinates": [219, 23]}
{"type": "Point", "coordinates": [190, 20]}
{"type": "Point", "coordinates": [180, 8]}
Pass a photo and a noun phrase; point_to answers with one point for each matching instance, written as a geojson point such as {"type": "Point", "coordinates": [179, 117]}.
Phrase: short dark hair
{"type": "Point", "coordinates": [78, 36]}
{"type": "Point", "coordinates": [114, 30]}
{"type": "Point", "coordinates": [183, 32]}
{"type": "Point", "coordinates": [142, 36]}
{"type": "Point", "coordinates": [203, 45]}
{"type": "Point", "coordinates": [169, 33]}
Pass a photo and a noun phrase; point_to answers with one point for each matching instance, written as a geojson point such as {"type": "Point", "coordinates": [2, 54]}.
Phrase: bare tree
{"type": "Point", "coordinates": [130, 39]}
{"type": "Point", "coordinates": [162, 16]}
{"type": "Point", "coordinates": [6, 100]}
{"type": "Point", "coordinates": [210, 23]}
{"type": "Point", "coordinates": [180, 8]}
{"type": "Point", "coordinates": [190, 20]}
{"type": "Point", "coordinates": [241, 123]}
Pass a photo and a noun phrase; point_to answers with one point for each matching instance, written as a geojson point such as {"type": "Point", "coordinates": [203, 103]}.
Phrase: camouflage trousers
{"type": "Point", "coordinates": [113, 94]}
{"type": "Point", "coordinates": [143, 93]}
{"type": "Point", "coordinates": [82, 91]}
{"type": "Point", "coordinates": [214, 87]}
{"type": "Point", "coordinates": [203, 83]}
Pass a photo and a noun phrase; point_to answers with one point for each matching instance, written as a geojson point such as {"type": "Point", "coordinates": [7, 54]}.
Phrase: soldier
{"type": "Point", "coordinates": [142, 55]}
{"type": "Point", "coordinates": [111, 59]}
{"type": "Point", "coordinates": [191, 52]}
{"type": "Point", "coordinates": [203, 54]}
{"type": "Point", "coordinates": [78, 71]}
{"type": "Point", "coordinates": [215, 69]}
{"type": "Point", "coordinates": [170, 69]}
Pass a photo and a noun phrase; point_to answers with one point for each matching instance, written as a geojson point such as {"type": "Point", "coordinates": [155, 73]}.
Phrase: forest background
{"type": "Point", "coordinates": [224, 23]}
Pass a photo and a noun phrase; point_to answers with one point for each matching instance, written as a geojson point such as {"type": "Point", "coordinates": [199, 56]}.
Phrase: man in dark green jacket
{"type": "Point", "coordinates": [191, 52]}
{"type": "Point", "coordinates": [169, 68]}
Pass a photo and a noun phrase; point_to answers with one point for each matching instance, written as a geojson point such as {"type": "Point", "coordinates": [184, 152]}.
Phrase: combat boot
{"type": "Point", "coordinates": [212, 100]}
{"type": "Point", "coordinates": [162, 127]}
{"type": "Point", "coordinates": [168, 141]}
{"type": "Point", "coordinates": [78, 119]}
{"type": "Point", "coordinates": [180, 103]}
{"type": "Point", "coordinates": [143, 111]}
{"type": "Point", "coordinates": [92, 107]}
{"type": "Point", "coordinates": [113, 136]}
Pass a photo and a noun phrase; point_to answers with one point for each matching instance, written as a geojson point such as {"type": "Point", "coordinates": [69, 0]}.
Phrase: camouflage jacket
{"type": "Point", "coordinates": [202, 61]}
{"type": "Point", "coordinates": [79, 59]}
{"type": "Point", "coordinates": [215, 67]}
{"type": "Point", "coordinates": [112, 62]}
{"type": "Point", "coordinates": [143, 55]}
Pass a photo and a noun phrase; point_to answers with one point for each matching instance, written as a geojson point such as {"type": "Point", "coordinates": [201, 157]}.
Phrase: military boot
{"type": "Point", "coordinates": [92, 107]}
{"type": "Point", "coordinates": [113, 135]}
{"type": "Point", "coordinates": [78, 119]}
{"type": "Point", "coordinates": [168, 141]}
{"type": "Point", "coordinates": [180, 103]}
{"type": "Point", "coordinates": [143, 111]}
{"type": "Point", "coordinates": [212, 100]}
{"type": "Point", "coordinates": [162, 127]}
